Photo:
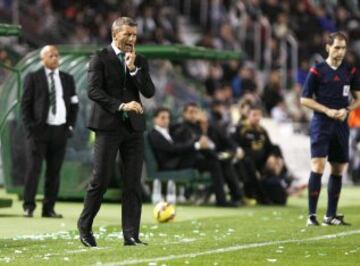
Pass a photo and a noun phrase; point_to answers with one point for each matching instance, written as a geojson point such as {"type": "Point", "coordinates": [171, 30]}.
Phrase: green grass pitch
{"type": "Point", "coordinates": [199, 236]}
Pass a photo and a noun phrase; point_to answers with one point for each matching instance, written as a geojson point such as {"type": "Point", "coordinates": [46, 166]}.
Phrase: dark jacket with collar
{"type": "Point", "coordinates": [35, 102]}
{"type": "Point", "coordinates": [110, 86]}
{"type": "Point", "coordinates": [169, 154]}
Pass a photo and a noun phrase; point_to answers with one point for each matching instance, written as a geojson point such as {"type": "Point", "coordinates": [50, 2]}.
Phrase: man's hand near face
{"type": "Point", "coordinates": [130, 59]}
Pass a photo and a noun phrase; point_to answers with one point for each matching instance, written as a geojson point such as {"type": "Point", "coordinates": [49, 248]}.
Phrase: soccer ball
{"type": "Point", "coordinates": [164, 212]}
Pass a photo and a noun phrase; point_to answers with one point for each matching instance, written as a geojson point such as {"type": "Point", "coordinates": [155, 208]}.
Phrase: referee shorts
{"type": "Point", "coordinates": [329, 138]}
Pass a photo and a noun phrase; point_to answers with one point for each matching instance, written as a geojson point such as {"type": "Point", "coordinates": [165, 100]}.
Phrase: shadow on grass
{"type": "Point", "coordinates": [10, 215]}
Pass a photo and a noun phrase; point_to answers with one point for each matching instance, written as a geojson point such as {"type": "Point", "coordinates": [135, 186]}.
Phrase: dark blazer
{"type": "Point", "coordinates": [169, 154]}
{"type": "Point", "coordinates": [35, 102]}
{"type": "Point", "coordinates": [186, 131]}
{"type": "Point", "coordinates": [109, 87]}
{"type": "Point", "coordinates": [189, 131]}
{"type": "Point", "coordinates": [221, 140]}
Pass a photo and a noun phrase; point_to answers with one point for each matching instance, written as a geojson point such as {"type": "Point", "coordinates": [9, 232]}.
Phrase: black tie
{"type": "Point", "coordinates": [52, 93]}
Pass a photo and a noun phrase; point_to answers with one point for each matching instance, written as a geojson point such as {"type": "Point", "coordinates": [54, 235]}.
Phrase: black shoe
{"type": "Point", "coordinates": [86, 237]}
{"type": "Point", "coordinates": [28, 213]}
{"type": "Point", "coordinates": [51, 214]}
{"type": "Point", "coordinates": [139, 242]}
{"type": "Point", "coordinates": [130, 242]}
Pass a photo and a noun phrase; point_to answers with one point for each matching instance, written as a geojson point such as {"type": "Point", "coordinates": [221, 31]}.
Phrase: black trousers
{"type": "Point", "coordinates": [275, 190]}
{"type": "Point", "coordinates": [207, 161]}
{"type": "Point", "coordinates": [253, 188]}
{"type": "Point", "coordinates": [232, 180]}
{"type": "Point", "coordinates": [131, 147]}
{"type": "Point", "coordinates": [51, 148]}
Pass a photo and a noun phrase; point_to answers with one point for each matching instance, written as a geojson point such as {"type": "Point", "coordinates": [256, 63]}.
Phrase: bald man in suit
{"type": "Point", "coordinates": [49, 108]}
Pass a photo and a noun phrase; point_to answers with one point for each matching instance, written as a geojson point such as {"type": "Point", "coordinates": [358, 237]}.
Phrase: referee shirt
{"type": "Point", "coordinates": [331, 87]}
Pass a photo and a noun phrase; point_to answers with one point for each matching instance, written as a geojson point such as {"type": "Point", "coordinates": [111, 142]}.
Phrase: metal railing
{"type": "Point", "coordinates": [262, 51]}
{"type": "Point", "coordinates": [260, 38]}
{"type": "Point", "coordinates": [289, 42]}
{"type": "Point", "coordinates": [10, 30]}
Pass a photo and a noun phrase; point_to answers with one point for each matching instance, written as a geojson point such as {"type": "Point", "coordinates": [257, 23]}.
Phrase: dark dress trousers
{"type": "Point", "coordinates": [109, 86]}
{"type": "Point", "coordinates": [45, 141]}
{"type": "Point", "coordinates": [223, 143]}
{"type": "Point", "coordinates": [203, 160]}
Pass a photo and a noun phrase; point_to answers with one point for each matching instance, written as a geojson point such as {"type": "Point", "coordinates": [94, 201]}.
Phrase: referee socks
{"type": "Point", "coordinates": [334, 189]}
{"type": "Point", "coordinates": [314, 191]}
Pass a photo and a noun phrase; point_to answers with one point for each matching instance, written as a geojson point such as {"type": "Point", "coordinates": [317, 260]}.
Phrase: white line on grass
{"type": "Point", "coordinates": [231, 248]}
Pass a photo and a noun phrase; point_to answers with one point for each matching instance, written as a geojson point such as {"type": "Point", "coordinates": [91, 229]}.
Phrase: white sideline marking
{"type": "Point", "coordinates": [231, 248]}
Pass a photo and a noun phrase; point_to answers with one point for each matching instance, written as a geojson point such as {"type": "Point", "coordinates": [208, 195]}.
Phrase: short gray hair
{"type": "Point", "coordinates": [119, 22]}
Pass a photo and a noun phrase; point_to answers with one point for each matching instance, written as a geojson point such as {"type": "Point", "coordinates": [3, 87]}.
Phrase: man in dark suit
{"type": "Point", "coordinates": [225, 151]}
{"type": "Point", "coordinates": [49, 107]}
{"type": "Point", "coordinates": [117, 76]}
{"type": "Point", "coordinates": [206, 159]}
{"type": "Point", "coordinates": [169, 154]}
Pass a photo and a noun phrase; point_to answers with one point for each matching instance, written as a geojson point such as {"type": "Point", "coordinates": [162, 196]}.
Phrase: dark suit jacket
{"type": "Point", "coordinates": [186, 131]}
{"type": "Point", "coordinates": [221, 140]}
{"type": "Point", "coordinates": [35, 102]}
{"type": "Point", "coordinates": [189, 131]}
{"type": "Point", "coordinates": [109, 87]}
{"type": "Point", "coordinates": [169, 154]}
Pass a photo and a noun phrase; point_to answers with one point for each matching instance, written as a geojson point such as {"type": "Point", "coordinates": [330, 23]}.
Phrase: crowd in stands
{"type": "Point", "coordinates": [229, 26]}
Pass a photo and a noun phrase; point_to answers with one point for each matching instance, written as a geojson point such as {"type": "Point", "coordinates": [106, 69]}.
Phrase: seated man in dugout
{"type": "Point", "coordinates": [204, 159]}
{"type": "Point", "coordinates": [172, 154]}
{"type": "Point", "coordinates": [265, 175]}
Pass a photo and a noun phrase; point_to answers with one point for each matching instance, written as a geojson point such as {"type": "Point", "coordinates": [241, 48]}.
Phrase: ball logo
{"type": "Point", "coordinates": [164, 212]}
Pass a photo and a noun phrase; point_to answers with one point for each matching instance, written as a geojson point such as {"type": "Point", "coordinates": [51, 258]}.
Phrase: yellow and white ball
{"type": "Point", "coordinates": [164, 212]}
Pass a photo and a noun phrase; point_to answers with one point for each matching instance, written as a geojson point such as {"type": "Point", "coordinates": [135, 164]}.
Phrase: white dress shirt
{"type": "Point", "coordinates": [165, 133]}
{"type": "Point", "coordinates": [59, 118]}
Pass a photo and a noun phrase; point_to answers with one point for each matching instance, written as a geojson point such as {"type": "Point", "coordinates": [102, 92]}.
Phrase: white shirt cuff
{"type": "Point", "coordinates": [74, 99]}
{"type": "Point", "coordinates": [197, 145]}
{"type": "Point", "coordinates": [121, 106]}
{"type": "Point", "coordinates": [133, 73]}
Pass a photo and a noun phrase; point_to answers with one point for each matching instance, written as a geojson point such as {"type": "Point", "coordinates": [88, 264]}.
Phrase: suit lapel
{"type": "Point", "coordinates": [44, 80]}
{"type": "Point", "coordinates": [115, 61]}
{"type": "Point", "coordinates": [44, 87]}
{"type": "Point", "coordinates": [63, 83]}
{"type": "Point", "coordinates": [64, 87]}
